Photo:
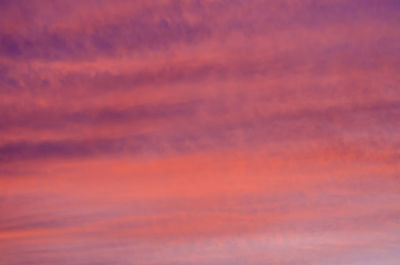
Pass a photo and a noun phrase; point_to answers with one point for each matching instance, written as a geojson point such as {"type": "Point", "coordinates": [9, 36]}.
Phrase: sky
{"type": "Point", "coordinates": [188, 132]}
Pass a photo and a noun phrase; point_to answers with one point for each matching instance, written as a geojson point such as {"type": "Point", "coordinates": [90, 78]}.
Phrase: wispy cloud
{"type": "Point", "coordinates": [199, 132]}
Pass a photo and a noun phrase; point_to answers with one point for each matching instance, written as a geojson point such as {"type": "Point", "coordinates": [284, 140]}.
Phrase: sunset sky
{"type": "Point", "coordinates": [199, 132]}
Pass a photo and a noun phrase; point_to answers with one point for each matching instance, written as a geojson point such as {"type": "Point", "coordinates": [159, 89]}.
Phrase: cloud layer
{"type": "Point", "coordinates": [199, 132]}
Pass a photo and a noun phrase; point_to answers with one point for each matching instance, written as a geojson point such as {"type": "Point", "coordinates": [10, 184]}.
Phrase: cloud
{"type": "Point", "coordinates": [199, 132]}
